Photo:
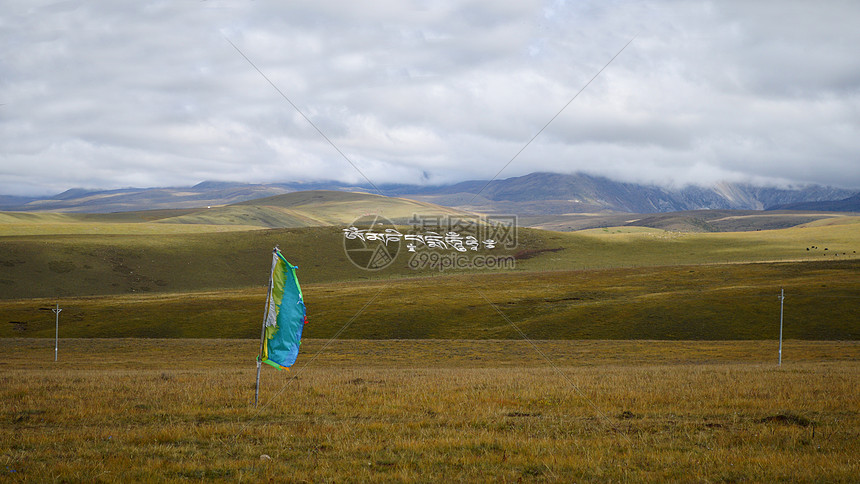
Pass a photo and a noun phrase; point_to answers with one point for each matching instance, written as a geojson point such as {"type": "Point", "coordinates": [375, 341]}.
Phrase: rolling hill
{"type": "Point", "coordinates": [94, 263]}
{"type": "Point", "coordinates": [315, 208]}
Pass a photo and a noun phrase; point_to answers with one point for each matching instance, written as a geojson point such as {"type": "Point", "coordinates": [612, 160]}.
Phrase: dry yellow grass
{"type": "Point", "coordinates": [430, 411]}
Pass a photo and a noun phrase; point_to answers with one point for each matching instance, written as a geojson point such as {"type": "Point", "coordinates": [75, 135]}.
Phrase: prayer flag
{"type": "Point", "coordinates": [285, 315]}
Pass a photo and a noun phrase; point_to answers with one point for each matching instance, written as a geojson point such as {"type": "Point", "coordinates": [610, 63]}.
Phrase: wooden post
{"type": "Point", "coordinates": [781, 299]}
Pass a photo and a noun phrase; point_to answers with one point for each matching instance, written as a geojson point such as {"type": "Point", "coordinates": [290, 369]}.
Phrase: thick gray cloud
{"type": "Point", "coordinates": [113, 94]}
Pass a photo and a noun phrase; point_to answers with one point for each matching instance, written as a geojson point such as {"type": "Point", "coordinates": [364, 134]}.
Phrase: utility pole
{"type": "Point", "coordinates": [56, 310]}
{"type": "Point", "coordinates": [781, 300]}
{"type": "Point", "coordinates": [57, 330]}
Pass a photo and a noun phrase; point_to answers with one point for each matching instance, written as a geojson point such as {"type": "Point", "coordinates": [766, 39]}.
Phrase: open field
{"type": "Point", "coordinates": [698, 302]}
{"type": "Point", "coordinates": [430, 411]}
{"type": "Point", "coordinates": [548, 371]}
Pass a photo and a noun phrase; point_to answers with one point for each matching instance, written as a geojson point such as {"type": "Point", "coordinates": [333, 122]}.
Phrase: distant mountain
{"type": "Point", "coordinates": [13, 201]}
{"type": "Point", "coordinates": [850, 204]}
{"type": "Point", "coordinates": [550, 193]}
{"type": "Point", "coordinates": [134, 199]}
{"type": "Point", "coordinates": [530, 195]}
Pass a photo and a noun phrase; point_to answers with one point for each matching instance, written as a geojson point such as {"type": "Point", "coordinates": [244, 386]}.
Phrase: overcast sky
{"type": "Point", "coordinates": [107, 94]}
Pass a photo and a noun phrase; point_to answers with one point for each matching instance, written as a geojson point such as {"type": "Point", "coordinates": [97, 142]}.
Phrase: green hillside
{"type": "Point", "coordinates": [86, 265]}
{"type": "Point", "coordinates": [247, 215]}
{"type": "Point", "coordinates": [640, 246]}
{"type": "Point", "coordinates": [47, 223]}
{"type": "Point", "coordinates": [699, 302]}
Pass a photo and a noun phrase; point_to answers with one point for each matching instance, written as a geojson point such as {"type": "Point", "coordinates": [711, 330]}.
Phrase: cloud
{"type": "Point", "coordinates": [105, 94]}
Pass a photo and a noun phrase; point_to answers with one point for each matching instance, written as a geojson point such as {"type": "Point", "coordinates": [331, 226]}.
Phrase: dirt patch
{"type": "Point", "coordinates": [521, 414]}
{"type": "Point", "coordinates": [529, 253]}
{"type": "Point", "coordinates": [786, 419]}
{"type": "Point", "coordinates": [61, 266]}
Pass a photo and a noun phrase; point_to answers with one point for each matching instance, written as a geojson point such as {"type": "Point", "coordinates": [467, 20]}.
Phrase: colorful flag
{"type": "Point", "coordinates": [285, 316]}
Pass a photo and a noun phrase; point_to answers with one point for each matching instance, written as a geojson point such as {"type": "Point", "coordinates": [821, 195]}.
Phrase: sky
{"type": "Point", "coordinates": [106, 94]}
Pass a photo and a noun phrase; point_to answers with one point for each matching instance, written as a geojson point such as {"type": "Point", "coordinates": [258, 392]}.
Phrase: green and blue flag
{"type": "Point", "coordinates": [285, 315]}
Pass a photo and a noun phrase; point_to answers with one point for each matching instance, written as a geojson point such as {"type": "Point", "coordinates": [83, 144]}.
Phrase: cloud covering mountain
{"type": "Point", "coordinates": [532, 194]}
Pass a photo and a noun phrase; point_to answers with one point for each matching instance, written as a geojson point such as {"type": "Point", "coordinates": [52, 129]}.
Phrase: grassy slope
{"type": "Point", "coordinates": [312, 208]}
{"type": "Point", "coordinates": [259, 216]}
{"type": "Point", "coordinates": [84, 265]}
{"type": "Point", "coordinates": [629, 246]}
{"type": "Point", "coordinates": [116, 228]}
{"type": "Point", "coordinates": [716, 302]}
{"type": "Point", "coordinates": [294, 210]}
{"type": "Point", "coordinates": [118, 217]}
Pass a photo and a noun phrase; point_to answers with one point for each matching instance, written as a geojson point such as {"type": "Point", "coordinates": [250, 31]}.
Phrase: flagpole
{"type": "Point", "coordinates": [263, 328]}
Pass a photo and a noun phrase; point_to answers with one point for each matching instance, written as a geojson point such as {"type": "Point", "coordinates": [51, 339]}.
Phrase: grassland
{"type": "Point", "coordinates": [611, 283]}
{"type": "Point", "coordinates": [617, 354]}
{"type": "Point", "coordinates": [632, 247]}
{"type": "Point", "coordinates": [90, 264]}
{"type": "Point", "coordinates": [717, 302]}
{"type": "Point", "coordinates": [430, 411]}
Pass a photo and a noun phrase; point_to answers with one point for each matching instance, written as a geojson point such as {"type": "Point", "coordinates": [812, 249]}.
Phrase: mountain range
{"type": "Point", "coordinates": [550, 193]}
{"type": "Point", "coordinates": [535, 194]}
